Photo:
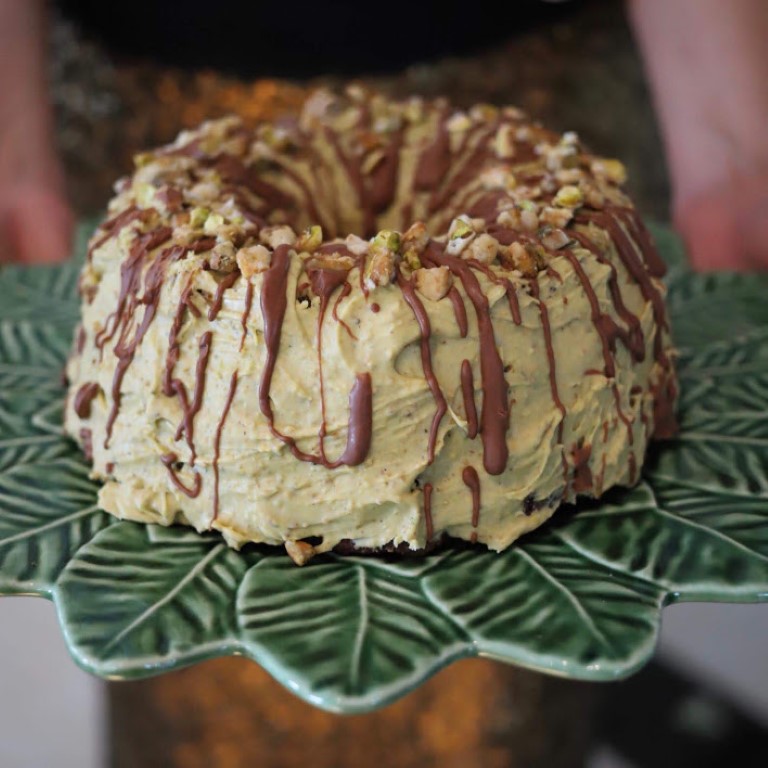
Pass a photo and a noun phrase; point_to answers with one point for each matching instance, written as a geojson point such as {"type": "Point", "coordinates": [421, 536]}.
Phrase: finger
{"type": "Point", "coordinates": [712, 237]}
{"type": "Point", "coordinates": [39, 227]}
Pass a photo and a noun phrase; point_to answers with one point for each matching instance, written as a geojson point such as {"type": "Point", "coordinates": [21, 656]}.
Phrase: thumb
{"type": "Point", "coordinates": [37, 227]}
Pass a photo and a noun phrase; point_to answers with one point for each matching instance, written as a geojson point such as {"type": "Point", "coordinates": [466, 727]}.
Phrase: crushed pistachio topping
{"type": "Point", "coordinates": [569, 196]}
{"type": "Point", "coordinates": [310, 239]}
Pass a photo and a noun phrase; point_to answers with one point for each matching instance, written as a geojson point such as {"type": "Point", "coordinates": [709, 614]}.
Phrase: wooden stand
{"type": "Point", "coordinates": [229, 713]}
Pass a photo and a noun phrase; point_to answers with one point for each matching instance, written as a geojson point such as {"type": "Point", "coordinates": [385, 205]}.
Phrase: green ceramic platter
{"type": "Point", "coordinates": [581, 597]}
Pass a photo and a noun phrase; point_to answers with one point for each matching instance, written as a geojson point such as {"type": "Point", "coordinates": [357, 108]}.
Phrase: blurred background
{"type": "Point", "coordinates": [703, 702]}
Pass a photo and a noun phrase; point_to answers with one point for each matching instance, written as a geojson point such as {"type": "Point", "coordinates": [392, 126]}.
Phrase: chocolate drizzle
{"type": "Point", "coordinates": [217, 442]}
{"type": "Point", "coordinates": [360, 428]}
{"type": "Point", "coordinates": [246, 312]}
{"type": "Point", "coordinates": [355, 175]}
{"type": "Point", "coordinates": [383, 177]}
{"type": "Point", "coordinates": [86, 441]}
{"type": "Point", "coordinates": [472, 481]}
{"type": "Point", "coordinates": [128, 301]}
{"type": "Point", "coordinates": [607, 330]}
{"type": "Point", "coordinates": [218, 300]}
{"type": "Point", "coordinates": [84, 397]}
{"type": "Point", "coordinates": [629, 217]}
{"type": "Point", "coordinates": [638, 271]}
{"type": "Point", "coordinates": [80, 340]}
{"type": "Point", "coordinates": [130, 278]}
{"type": "Point", "coordinates": [632, 337]}
{"type": "Point", "coordinates": [459, 310]}
{"type": "Point", "coordinates": [495, 409]}
{"type": "Point", "coordinates": [434, 161]}
{"type": "Point", "coordinates": [468, 393]}
{"type": "Point", "coordinates": [168, 460]}
{"type": "Point", "coordinates": [428, 511]}
{"type": "Point", "coordinates": [187, 425]}
{"type": "Point", "coordinates": [171, 386]}
{"type": "Point", "coordinates": [273, 306]}
{"type": "Point", "coordinates": [509, 287]}
{"type": "Point", "coordinates": [536, 293]}
{"type": "Point", "coordinates": [582, 475]}
{"type": "Point", "coordinates": [425, 330]}
{"type": "Point", "coordinates": [112, 227]}
{"type": "Point", "coordinates": [466, 171]}
{"type": "Point", "coordinates": [231, 170]}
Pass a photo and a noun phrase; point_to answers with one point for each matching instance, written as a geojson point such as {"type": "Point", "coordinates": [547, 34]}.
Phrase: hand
{"type": "Point", "coordinates": [35, 222]}
{"type": "Point", "coordinates": [727, 227]}
{"type": "Point", "coordinates": [708, 64]}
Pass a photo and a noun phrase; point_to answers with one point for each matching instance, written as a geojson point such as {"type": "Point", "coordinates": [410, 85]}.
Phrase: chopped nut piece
{"type": "Point", "coordinates": [559, 157]}
{"type": "Point", "coordinates": [434, 282]}
{"type": "Point", "coordinates": [529, 218]}
{"type": "Point", "coordinates": [386, 240]}
{"type": "Point", "coordinates": [570, 138]}
{"type": "Point", "coordinates": [458, 122]}
{"type": "Point", "coordinates": [357, 245]}
{"type": "Point", "coordinates": [310, 239]}
{"type": "Point", "coordinates": [554, 239]}
{"type": "Point", "coordinates": [213, 223]}
{"type": "Point", "coordinates": [599, 237]}
{"type": "Point", "coordinates": [387, 123]}
{"type": "Point", "coordinates": [316, 107]}
{"type": "Point", "coordinates": [416, 237]}
{"type": "Point", "coordinates": [569, 197]}
{"type": "Point", "coordinates": [549, 184]}
{"type": "Point", "coordinates": [203, 192]}
{"type": "Point", "coordinates": [460, 234]}
{"type": "Point", "coordinates": [569, 175]}
{"type": "Point", "coordinates": [144, 194]}
{"type": "Point", "coordinates": [300, 551]}
{"type": "Point", "coordinates": [483, 249]}
{"type": "Point", "coordinates": [499, 177]}
{"type": "Point", "coordinates": [509, 218]}
{"type": "Point", "coordinates": [414, 109]}
{"type": "Point", "coordinates": [276, 137]}
{"type": "Point", "coordinates": [223, 258]}
{"type": "Point", "coordinates": [141, 159]}
{"type": "Point", "coordinates": [252, 260]}
{"type": "Point", "coordinates": [613, 170]}
{"type": "Point", "coordinates": [523, 259]}
{"type": "Point", "coordinates": [460, 227]}
{"type": "Point", "coordinates": [592, 195]}
{"type": "Point", "coordinates": [198, 216]}
{"type": "Point", "coordinates": [331, 261]}
{"type": "Point", "coordinates": [514, 112]}
{"type": "Point", "coordinates": [524, 133]}
{"type": "Point", "coordinates": [277, 235]}
{"type": "Point", "coordinates": [411, 261]}
{"type": "Point", "coordinates": [356, 91]}
{"type": "Point", "coordinates": [380, 269]}
{"type": "Point", "coordinates": [556, 217]}
{"type": "Point", "coordinates": [504, 142]}
{"type": "Point", "coordinates": [484, 113]}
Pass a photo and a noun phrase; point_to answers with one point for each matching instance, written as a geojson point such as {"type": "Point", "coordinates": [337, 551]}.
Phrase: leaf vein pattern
{"type": "Point", "coordinates": [190, 576]}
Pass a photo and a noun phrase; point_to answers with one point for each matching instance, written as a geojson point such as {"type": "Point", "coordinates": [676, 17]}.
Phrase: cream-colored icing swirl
{"type": "Point", "coordinates": [463, 378]}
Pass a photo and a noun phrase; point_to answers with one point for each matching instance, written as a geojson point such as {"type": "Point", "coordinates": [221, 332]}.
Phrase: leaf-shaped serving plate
{"type": "Point", "coordinates": [581, 597]}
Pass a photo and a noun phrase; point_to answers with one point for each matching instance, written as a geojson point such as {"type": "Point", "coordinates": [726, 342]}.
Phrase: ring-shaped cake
{"type": "Point", "coordinates": [372, 327]}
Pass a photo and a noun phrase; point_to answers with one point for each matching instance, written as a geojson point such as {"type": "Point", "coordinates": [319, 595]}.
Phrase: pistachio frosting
{"type": "Point", "coordinates": [371, 327]}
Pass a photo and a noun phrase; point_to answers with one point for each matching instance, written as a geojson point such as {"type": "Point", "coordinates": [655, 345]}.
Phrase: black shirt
{"type": "Point", "coordinates": [299, 39]}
